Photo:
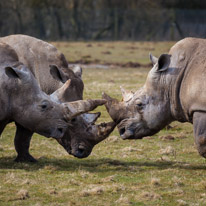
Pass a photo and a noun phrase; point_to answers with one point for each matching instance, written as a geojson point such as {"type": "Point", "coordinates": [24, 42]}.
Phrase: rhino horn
{"type": "Point", "coordinates": [104, 130]}
{"type": "Point", "coordinates": [91, 118]}
{"type": "Point", "coordinates": [81, 106]}
{"type": "Point", "coordinates": [126, 95]}
{"type": "Point", "coordinates": [59, 93]}
{"type": "Point", "coordinates": [110, 100]}
{"type": "Point", "coordinates": [113, 107]}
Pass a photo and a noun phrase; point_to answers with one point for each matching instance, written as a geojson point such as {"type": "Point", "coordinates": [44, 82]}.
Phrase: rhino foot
{"type": "Point", "coordinates": [202, 150]}
{"type": "Point", "coordinates": [199, 121]}
{"type": "Point", "coordinates": [25, 158]}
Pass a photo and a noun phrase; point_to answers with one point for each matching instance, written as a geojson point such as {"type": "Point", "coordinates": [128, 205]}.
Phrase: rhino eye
{"type": "Point", "coordinates": [139, 105]}
{"type": "Point", "coordinates": [44, 105]}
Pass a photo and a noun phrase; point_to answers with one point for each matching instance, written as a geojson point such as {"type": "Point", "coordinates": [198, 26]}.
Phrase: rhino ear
{"type": "Point", "coordinates": [57, 73]}
{"type": "Point", "coordinates": [153, 59]}
{"type": "Point", "coordinates": [163, 62]}
{"type": "Point", "coordinates": [91, 118]}
{"type": "Point", "coordinates": [77, 70]}
{"type": "Point", "coordinates": [13, 72]}
{"type": "Point", "coordinates": [58, 95]}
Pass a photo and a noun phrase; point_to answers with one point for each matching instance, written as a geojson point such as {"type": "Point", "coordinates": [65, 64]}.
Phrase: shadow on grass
{"type": "Point", "coordinates": [97, 165]}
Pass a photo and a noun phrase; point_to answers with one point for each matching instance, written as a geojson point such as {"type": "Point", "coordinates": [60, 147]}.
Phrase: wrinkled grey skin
{"type": "Point", "coordinates": [50, 68]}
{"type": "Point", "coordinates": [36, 111]}
{"type": "Point", "coordinates": [175, 89]}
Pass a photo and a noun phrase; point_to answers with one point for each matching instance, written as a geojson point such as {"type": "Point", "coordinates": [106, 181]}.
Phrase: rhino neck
{"type": "Point", "coordinates": [175, 100]}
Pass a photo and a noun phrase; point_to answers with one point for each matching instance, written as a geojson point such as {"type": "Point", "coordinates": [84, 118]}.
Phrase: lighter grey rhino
{"type": "Point", "coordinates": [22, 100]}
{"type": "Point", "coordinates": [50, 68]}
{"type": "Point", "coordinates": [175, 89]}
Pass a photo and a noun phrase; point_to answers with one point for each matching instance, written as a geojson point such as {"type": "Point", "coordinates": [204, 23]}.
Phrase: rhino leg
{"type": "Point", "coordinates": [199, 123]}
{"type": "Point", "coordinates": [2, 126]}
{"type": "Point", "coordinates": [22, 143]}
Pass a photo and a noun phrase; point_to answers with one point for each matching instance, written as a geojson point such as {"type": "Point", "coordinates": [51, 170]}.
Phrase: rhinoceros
{"type": "Point", "coordinates": [22, 100]}
{"type": "Point", "coordinates": [175, 89]}
{"type": "Point", "coordinates": [50, 67]}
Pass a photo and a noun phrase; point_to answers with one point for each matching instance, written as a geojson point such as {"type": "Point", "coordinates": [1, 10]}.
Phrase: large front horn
{"type": "Point", "coordinates": [114, 107]}
{"type": "Point", "coordinates": [81, 106]}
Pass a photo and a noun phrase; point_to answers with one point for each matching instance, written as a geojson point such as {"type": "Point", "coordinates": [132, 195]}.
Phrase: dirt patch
{"type": "Point", "coordinates": [150, 196]}
{"type": "Point", "coordinates": [181, 136]}
{"type": "Point", "coordinates": [132, 47]}
{"type": "Point", "coordinates": [86, 56]}
{"type": "Point", "coordinates": [167, 137]}
{"type": "Point", "coordinates": [86, 61]}
{"type": "Point", "coordinates": [106, 52]}
{"type": "Point", "coordinates": [92, 191]}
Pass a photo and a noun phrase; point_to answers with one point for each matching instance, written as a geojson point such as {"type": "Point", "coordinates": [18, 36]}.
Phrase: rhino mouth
{"type": "Point", "coordinates": [128, 129]}
{"type": "Point", "coordinates": [129, 133]}
{"type": "Point", "coordinates": [81, 152]}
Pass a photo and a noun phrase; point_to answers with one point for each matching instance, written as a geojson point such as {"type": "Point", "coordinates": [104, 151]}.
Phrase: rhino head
{"type": "Point", "coordinates": [146, 111]}
{"type": "Point", "coordinates": [82, 134]}
{"type": "Point", "coordinates": [38, 111]}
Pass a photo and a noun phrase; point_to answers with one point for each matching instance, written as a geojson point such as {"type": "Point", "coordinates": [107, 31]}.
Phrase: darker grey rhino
{"type": "Point", "coordinates": [175, 89]}
{"type": "Point", "coordinates": [23, 101]}
{"type": "Point", "coordinates": [64, 84]}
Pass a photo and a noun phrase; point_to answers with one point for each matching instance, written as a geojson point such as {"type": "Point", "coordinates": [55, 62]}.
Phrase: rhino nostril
{"type": "Point", "coordinates": [80, 151]}
{"type": "Point", "coordinates": [60, 130]}
{"type": "Point", "coordinates": [122, 131]}
{"type": "Point", "coordinates": [73, 120]}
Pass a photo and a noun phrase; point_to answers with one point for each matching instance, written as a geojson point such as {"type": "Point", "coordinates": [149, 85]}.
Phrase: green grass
{"type": "Point", "coordinates": [152, 171]}
{"type": "Point", "coordinates": [112, 52]}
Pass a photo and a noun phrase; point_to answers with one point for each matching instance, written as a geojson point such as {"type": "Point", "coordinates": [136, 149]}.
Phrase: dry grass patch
{"type": "Point", "coordinates": [178, 181]}
{"type": "Point", "coordinates": [131, 149]}
{"type": "Point", "coordinates": [109, 178]}
{"type": "Point", "coordinates": [123, 200]}
{"type": "Point", "coordinates": [112, 138]}
{"type": "Point", "coordinates": [155, 181]}
{"type": "Point", "coordinates": [182, 203]}
{"type": "Point", "coordinates": [168, 151]}
{"type": "Point", "coordinates": [150, 196]}
{"type": "Point", "coordinates": [95, 190]}
{"type": "Point", "coordinates": [22, 194]}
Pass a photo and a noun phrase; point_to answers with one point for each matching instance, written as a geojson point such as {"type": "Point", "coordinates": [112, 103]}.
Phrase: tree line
{"type": "Point", "coordinates": [103, 19]}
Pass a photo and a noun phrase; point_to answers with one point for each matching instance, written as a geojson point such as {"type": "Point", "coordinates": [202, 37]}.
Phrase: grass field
{"type": "Point", "coordinates": [164, 169]}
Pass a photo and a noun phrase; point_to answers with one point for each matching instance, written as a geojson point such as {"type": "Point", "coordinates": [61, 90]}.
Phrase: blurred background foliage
{"type": "Point", "coordinates": [104, 19]}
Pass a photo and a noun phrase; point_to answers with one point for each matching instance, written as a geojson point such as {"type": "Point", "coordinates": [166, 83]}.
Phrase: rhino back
{"type": "Point", "coordinates": [37, 55]}
{"type": "Point", "coordinates": [189, 55]}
